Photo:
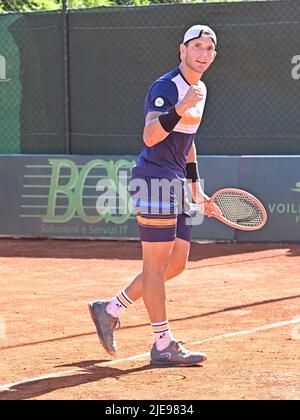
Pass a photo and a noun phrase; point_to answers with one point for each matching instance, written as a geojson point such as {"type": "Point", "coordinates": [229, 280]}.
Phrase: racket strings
{"type": "Point", "coordinates": [239, 209]}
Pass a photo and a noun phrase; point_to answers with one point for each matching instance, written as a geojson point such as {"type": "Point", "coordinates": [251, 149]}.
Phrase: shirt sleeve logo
{"type": "Point", "coordinates": [159, 102]}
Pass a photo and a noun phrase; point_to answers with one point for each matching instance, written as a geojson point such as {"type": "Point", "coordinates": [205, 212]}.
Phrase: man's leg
{"type": "Point", "coordinates": [178, 260]}
{"type": "Point", "coordinates": [134, 291]}
{"type": "Point", "coordinates": [105, 314]}
{"type": "Point", "coordinates": [166, 351]}
{"type": "Point", "coordinates": [156, 259]}
{"type": "Point", "coordinates": [177, 264]}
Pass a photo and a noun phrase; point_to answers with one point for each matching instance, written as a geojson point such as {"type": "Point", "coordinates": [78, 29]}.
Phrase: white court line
{"type": "Point", "coordinates": [143, 356]}
{"type": "Point", "coordinates": [293, 321]}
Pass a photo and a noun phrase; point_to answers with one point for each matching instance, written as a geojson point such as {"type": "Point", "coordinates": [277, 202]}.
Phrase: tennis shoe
{"type": "Point", "coordinates": [105, 325]}
{"type": "Point", "coordinates": [176, 355]}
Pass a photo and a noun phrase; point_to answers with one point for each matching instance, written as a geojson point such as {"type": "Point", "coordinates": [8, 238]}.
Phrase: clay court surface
{"type": "Point", "coordinates": [240, 303]}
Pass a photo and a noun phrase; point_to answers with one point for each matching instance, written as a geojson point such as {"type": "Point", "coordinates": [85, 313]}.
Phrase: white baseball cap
{"type": "Point", "coordinates": [199, 31]}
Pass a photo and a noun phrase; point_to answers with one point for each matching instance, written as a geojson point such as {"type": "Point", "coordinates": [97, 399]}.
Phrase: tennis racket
{"type": "Point", "coordinates": [236, 208]}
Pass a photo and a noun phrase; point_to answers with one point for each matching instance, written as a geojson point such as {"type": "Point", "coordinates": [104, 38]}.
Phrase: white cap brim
{"type": "Point", "coordinates": [199, 31]}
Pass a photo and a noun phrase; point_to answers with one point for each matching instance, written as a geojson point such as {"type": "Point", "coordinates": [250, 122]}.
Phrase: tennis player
{"type": "Point", "coordinates": [173, 111]}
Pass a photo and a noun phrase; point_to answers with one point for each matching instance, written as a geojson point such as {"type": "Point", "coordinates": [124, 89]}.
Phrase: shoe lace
{"type": "Point", "coordinates": [180, 347]}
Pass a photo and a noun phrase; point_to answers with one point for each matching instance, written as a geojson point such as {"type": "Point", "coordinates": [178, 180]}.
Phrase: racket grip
{"type": "Point", "coordinates": [210, 209]}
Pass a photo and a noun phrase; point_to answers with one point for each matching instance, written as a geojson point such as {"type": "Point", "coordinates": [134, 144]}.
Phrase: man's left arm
{"type": "Point", "coordinates": [193, 177]}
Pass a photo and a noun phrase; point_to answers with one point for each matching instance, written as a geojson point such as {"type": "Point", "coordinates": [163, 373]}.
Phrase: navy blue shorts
{"type": "Point", "coordinates": [162, 216]}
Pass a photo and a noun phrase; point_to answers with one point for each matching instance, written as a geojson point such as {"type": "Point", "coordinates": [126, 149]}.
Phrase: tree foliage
{"type": "Point", "coordinates": [32, 5]}
{"type": "Point", "coordinates": [28, 5]}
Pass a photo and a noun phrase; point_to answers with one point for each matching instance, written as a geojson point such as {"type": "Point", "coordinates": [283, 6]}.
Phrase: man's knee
{"type": "Point", "coordinates": [181, 268]}
{"type": "Point", "coordinates": [155, 271]}
{"type": "Point", "coordinates": [176, 270]}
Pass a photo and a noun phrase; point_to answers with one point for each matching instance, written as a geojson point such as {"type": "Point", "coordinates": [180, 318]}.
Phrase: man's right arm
{"type": "Point", "coordinates": [153, 130]}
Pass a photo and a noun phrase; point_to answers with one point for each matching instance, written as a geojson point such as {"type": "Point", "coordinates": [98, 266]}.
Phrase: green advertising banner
{"type": "Point", "coordinates": [277, 181]}
{"type": "Point", "coordinates": [57, 196]}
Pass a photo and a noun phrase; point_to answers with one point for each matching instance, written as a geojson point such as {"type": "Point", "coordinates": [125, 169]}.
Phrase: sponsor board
{"type": "Point", "coordinates": [56, 196]}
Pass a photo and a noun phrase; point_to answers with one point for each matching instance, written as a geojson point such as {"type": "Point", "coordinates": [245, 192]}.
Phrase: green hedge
{"type": "Point", "coordinates": [31, 5]}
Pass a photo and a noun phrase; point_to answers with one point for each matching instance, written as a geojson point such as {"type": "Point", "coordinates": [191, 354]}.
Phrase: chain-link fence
{"type": "Point", "coordinates": [76, 81]}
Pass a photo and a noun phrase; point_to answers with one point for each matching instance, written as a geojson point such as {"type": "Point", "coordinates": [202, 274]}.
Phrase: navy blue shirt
{"type": "Point", "coordinates": [167, 159]}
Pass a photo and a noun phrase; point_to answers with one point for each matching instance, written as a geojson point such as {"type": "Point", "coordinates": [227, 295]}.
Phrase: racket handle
{"type": "Point", "coordinates": [209, 209]}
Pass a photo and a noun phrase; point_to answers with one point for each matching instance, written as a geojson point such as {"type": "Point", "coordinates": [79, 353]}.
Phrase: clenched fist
{"type": "Point", "coordinates": [191, 98]}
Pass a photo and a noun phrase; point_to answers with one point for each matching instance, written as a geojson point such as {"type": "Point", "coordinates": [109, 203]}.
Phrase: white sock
{"type": "Point", "coordinates": [118, 305]}
{"type": "Point", "coordinates": [162, 335]}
